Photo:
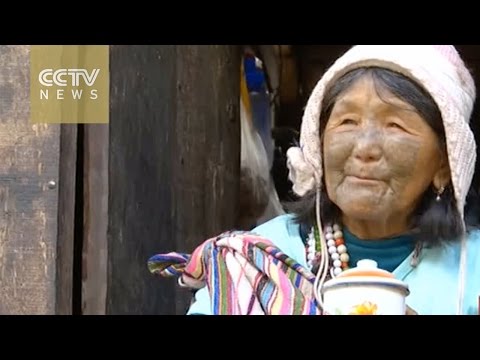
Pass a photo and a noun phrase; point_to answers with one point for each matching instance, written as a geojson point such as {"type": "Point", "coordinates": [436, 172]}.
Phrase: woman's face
{"type": "Point", "coordinates": [380, 156]}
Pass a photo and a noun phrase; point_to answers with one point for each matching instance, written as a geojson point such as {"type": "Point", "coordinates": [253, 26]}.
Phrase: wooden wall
{"type": "Point", "coordinates": [29, 195]}
{"type": "Point", "coordinates": [82, 208]}
{"type": "Point", "coordinates": [174, 164]}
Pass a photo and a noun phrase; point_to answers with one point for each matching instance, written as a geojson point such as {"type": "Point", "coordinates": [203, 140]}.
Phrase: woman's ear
{"type": "Point", "coordinates": [443, 176]}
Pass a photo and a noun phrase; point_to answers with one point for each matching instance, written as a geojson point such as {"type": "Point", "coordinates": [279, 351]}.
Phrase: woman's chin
{"type": "Point", "coordinates": [365, 212]}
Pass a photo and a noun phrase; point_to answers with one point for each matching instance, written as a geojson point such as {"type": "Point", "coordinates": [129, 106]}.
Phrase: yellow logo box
{"type": "Point", "coordinates": [69, 84]}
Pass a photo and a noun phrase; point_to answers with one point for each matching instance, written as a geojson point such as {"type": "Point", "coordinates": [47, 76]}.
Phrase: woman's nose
{"type": "Point", "coordinates": [368, 147]}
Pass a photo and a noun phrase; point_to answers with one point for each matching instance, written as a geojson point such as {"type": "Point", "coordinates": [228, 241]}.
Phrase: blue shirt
{"type": "Point", "coordinates": [433, 283]}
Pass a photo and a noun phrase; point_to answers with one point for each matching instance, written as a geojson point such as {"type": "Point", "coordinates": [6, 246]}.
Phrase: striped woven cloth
{"type": "Point", "coordinates": [245, 274]}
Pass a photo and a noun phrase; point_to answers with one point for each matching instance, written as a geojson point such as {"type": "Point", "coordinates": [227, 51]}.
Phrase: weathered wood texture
{"type": "Point", "coordinates": [66, 215]}
{"type": "Point", "coordinates": [28, 220]}
{"type": "Point", "coordinates": [174, 164]}
{"type": "Point", "coordinates": [94, 254]}
{"type": "Point", "coordinates": [207, 150]}
{"type": "Point", "coordinates": [142, 109]}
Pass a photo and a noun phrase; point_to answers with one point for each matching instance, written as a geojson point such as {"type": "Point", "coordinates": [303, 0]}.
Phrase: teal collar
{"type": "Point", "coordinates": [389, 253]}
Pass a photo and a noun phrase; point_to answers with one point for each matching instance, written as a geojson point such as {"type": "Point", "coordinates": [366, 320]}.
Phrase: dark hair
{"type": "Point", "coordinates": [436, 222]}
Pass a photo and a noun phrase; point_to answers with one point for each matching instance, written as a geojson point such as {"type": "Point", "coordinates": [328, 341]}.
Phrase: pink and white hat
{"type": "Point", "coordinates": [438, 68]}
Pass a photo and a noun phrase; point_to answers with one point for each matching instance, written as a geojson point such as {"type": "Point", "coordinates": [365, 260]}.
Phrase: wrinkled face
{"type": "Point", "coordinates": [380, 156]}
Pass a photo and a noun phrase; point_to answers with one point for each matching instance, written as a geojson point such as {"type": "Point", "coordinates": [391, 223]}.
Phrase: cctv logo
{"type": "Point", "coordinates": [68, 77]}
{"type": "Point", "coordinates": [48, 77]}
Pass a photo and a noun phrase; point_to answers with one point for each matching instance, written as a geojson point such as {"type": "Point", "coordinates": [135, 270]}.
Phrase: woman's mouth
{"type": "Point", "coordinates": [364, 180]}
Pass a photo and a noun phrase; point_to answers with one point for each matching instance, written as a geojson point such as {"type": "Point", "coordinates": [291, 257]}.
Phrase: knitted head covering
{"type": "Point", "coordinates": [438, 68]}
{"type": "Point", "coordinates": [441, 71]}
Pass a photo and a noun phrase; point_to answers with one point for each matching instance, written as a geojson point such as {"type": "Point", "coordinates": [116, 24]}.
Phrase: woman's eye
{"type": "Point", "coordinates": [348, 122]}
{"type": "Point", "coordinates": [395, 126]}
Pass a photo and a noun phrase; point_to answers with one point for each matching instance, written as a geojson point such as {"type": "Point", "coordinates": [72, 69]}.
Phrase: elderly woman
{"type": "Point", "coordinates": [386, 161]}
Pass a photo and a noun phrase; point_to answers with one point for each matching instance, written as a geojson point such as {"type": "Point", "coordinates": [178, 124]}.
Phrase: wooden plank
{"type": "Point", "coordinates": [28, 207]}
{"type": "Point", "coordinates": [174, 164]}
{"type": "Point", "coordinates": [94, 264]}
{"type": "Point", "coordinates": [140, 223]}
{"type": "Point", "coordinates": [66, 217]}
{"type": "Point", "coordinates": [206, 163]}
